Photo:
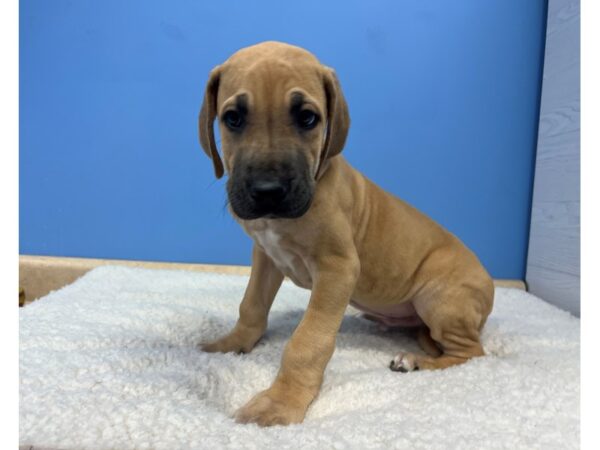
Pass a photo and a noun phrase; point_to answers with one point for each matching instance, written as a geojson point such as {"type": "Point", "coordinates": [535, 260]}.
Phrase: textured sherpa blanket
{"type": "Point", "coordinates": [112, 361]}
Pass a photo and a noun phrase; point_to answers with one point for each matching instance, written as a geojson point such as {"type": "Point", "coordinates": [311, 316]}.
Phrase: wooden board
{"type": "Point", "coordinates": [553, 267]}
{"type": "Point", "coordinates": [38, 275]}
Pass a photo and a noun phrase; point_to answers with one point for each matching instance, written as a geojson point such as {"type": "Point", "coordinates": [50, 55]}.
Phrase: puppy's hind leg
{"type": "Point", "coordinates": [458, 346]}
{"type": "Point", "coordinates": [454, 331]}
{"type": "Point", "coordinates": [428, 345]}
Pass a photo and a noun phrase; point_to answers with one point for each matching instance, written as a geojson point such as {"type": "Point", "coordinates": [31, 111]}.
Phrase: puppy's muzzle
{"type": "Point", "coordinates": [271, 189]}
{"type": "Point", "coordinates": [268, 192]}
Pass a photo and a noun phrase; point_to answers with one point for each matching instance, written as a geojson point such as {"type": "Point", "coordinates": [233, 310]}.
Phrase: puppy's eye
{"type": "Point", "coordinates": [307, 119]}
{"type": "Point", "coordinates": [233, 120]}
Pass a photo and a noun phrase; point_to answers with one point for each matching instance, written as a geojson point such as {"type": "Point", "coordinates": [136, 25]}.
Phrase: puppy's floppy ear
{"type": "Point", "coordinates": [338, 118]}
{"type": "Point", "coordinates": [207, 118]}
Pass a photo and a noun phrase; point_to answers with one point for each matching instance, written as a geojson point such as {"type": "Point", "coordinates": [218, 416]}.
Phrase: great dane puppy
{"type": "Point", "coordinates": [283, 122]}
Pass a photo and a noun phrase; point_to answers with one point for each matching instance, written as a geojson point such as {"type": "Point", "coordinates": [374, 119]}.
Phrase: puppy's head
{"type": "Point", "coordinates": [281, 114]}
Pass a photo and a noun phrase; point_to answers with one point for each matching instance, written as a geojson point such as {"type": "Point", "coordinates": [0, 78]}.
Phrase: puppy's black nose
{"type": "Point", "coordinates": [268, 190]}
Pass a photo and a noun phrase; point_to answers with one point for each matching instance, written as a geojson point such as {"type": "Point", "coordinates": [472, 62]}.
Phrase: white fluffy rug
{"type": "Point", "coordinates": [111, 362]}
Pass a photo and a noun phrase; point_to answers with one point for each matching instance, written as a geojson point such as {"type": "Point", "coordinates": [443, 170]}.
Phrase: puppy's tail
{"type": "Point", "coordinates": [426, 342]}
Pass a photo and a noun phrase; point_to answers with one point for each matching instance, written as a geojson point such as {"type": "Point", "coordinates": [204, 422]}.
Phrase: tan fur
{"type": "Point", "coordinates": [355, 242]}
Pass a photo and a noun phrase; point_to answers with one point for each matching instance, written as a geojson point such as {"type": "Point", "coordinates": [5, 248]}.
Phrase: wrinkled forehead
{"type": "Point", "coordinates": [269, 83]}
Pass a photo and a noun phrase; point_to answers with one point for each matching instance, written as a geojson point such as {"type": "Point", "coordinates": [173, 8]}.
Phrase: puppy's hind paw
{"type": "Point", "coordinates": [404, 362]}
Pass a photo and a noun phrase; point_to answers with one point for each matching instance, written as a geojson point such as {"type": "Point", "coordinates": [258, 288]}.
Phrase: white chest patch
{"type": "Point", "coordinates": [269, 241]}
{"type": "Point", "coordinates": [286, 260]}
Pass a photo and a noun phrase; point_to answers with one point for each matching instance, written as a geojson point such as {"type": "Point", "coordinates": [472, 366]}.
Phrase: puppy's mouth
{"type": "Point", "coordinates": [250, 210]}
{"type": "Point", "coordinates": [270, 190]}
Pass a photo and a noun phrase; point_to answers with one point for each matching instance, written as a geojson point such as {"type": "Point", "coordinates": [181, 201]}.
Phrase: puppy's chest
{"type": "Point", "coordinates": [283, 254]}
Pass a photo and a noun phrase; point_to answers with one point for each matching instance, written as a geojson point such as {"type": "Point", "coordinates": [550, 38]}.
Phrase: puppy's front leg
{"type": "Point", "coordinates": [265, 280]}
{"type": "Point", "coordinates": [310, 348]}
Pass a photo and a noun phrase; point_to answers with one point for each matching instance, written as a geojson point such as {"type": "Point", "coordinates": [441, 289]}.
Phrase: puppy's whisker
{"type": "Point", "coordinates": [225, 209]}
{"type": "Point", "coordinates": [211, 184]}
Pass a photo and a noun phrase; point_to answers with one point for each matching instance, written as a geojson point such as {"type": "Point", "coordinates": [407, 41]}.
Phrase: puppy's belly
{"type": "Point", "coordinates": [402, 315]}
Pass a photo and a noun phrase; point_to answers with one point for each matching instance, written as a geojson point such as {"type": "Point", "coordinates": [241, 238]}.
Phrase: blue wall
{"type": "Point", "coordinates": [443, 96]}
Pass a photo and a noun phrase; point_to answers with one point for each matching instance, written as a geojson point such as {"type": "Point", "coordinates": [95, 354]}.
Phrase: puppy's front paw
{"type": "Point", "coordinates": [221, 346]}
{"type": "Point", "coordinates": [234, 342]}
{"type": "Point", "coordinates": [404, 362]}
{"type": "Point", "coordinates": [267, 409]}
